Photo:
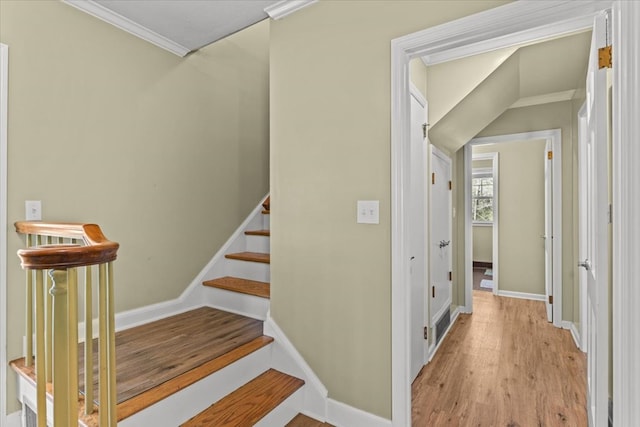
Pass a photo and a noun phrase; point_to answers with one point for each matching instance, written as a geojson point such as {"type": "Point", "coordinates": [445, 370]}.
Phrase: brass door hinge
{"type": "Point", "coordinates": [550, 299]}
{"type": "Point", "coordinates": [426, 332]}
{"type": "Point", "coordinates": [550, 155]}
{"type": "Point", "coordinates": [424, 130]}
{"type": "Point", "coordinates": [433, 292]}
{"type": "Point", "coordinates": [604, 57]}
{"type": "Point", "coordinates": [433, 178]}
{"type": "Point", "coordinates": [450, 185]}
{"type": "Point", "coordinates": [450, 275]}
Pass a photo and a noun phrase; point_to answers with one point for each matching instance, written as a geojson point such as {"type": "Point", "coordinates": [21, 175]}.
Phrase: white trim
{"type": "Point", "coordinates": [14, 419]}
{"type": "Point", "coordinates": [415, 92]}
{"type": "Point", "coordinates": [4, 88]}
{"type": "Point", "coordinates": [341, 414]}
{"type": "Point", "coordinates": [575, 334]}
{"type": "Point", "coordinates": [522, 295]}
{"type": "Point", "coordinates": [555, 136]}
{"type": "Point", "coordinates": [520, 22]}
{"type": "Point", "coordinates": [286, 7]}
{"type": "Point", "coordinates": [125, 24]}
{"type": "Point", "coordinates": [495, 259]}
{"type": "Point", "coordinates": [626, 202]}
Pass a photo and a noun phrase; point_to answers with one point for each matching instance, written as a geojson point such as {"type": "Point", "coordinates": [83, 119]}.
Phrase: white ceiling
{"type": "Point", "coordinates": [182, 26]}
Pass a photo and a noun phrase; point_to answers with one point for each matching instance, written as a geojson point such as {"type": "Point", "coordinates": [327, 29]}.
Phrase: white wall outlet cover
{"type": "Point", "coordinates": [368, 212]}
{"type": "Point", "coordinates": [33, 210]}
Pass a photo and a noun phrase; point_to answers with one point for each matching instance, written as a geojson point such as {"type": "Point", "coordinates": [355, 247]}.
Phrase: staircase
{"type": "Point", "coordinates": [210, 365]}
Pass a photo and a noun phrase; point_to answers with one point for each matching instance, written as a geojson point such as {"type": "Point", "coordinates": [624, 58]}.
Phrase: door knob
{"type": "Point", "coordinates": [585, 264]}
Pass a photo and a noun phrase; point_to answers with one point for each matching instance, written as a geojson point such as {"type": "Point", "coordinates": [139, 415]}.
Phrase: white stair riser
{"type": "Point", "coordinates": [266, 225]}
{"type": "Point", "coordinates": [248, 270]}
{"type": "Point", "coordinates": [234, 302]}
{"type": "Point", "coordinates": [258, 244]}
{"type": "Point", "coordinates": [285, 412]}
{"type": "Point", "coordinates": [181, 406]}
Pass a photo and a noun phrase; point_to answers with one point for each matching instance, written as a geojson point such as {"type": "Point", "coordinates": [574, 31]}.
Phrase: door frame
{"type": "Point", "coordinates": [554, 136]}
{"type": "Point", "coordinates": [582, 231]}
{"type": "Point", "coordinates": [4, 78]}
{"type": "Point", "coordinates": [468, 223]}
{"type": "Point", "coordinates": [521, 22]}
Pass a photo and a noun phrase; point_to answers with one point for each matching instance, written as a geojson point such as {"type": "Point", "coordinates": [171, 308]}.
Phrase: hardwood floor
{"type": "Point", "coordinates": [505, 365]}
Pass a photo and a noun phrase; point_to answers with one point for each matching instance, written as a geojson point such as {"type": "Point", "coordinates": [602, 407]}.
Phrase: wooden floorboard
{"type": "Point", "coordinates": [301, 420]}
{"type": "Point", "coordinates": [265, 233]}
{"type": "Point", "coordinates": [151, 354]}
{"type": "Point", "coordinates": [249, 403]}
{"type": "Point", "coordinates": [504, 365]}
{"type": "Point", "coordinates": [244, 286]}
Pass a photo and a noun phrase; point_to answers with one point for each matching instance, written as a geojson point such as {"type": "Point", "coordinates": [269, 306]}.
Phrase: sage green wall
{"type": "Point", "coordinates": [330, 146]}
{"type": "Point", "coordinates": [521, 215]}
{"type": "Point", "coordinates": [558, 115]}
{"type": "Point", "coordinates": [167, 154]}
{"type": "Point", "coordinates": [483, 243]}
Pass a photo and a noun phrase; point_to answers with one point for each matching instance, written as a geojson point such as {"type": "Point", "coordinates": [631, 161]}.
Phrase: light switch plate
{"type": "Point", "coordinates": [33, 210]}
{"type": "Point", "coordinates": [368, 212]}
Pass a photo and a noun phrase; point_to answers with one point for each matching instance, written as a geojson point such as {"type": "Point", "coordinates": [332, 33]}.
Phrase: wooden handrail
{"type": "Point", "coordinates": [98, 248]}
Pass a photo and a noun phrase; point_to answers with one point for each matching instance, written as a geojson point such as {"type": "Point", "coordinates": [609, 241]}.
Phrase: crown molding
{"type": "Point", "coordinates": [286, 7]}
{"type": "Point", "coordinates": [119, 21]}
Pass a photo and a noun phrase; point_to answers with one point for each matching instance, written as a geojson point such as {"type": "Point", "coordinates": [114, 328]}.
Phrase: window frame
{"type": "Point", "coordinates": [483, 173]}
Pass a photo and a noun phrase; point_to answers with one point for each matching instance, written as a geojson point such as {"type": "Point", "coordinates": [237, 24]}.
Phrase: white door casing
{"type": "Point", "coordinates": [521, 22]}
{"type": "Point", "coordinates": [440, 235]}
{"type": "Point", "coordinates": [418, 255]}
{"type": "Point", "coordinates": [4, 68]}
{"type": "Point", "coordinates": [596, 262]}
{"type": "Point", "coordinates": [582, 222]}
{"type": "Point", "coordinates": [548, 235]}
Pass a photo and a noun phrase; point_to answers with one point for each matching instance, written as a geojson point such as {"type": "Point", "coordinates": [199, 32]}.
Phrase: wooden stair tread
{"type": "Point", "coordinates": [249, 403]}
{"type": "Point", "coordinates": [237, 284]}
{"type": "Point", "coordinates": [266, 211]}
{"type": "Point", "coordinates": [258, 232]}
{"type": "Point", "coordinates": [301, 420]}
{"type": "Point", "coordinates": [250, 256]}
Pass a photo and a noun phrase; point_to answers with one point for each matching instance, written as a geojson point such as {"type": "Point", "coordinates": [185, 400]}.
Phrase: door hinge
{"type": "Point", "coordinates": [604, 57]}
{"type": "Point", "coordinates": [424, 130]}
{"type": "Point", "coordinates": [550, 299]}
{"type": "Point", "coordinates": [450, 275]}
{"type": "Point", "coordinates": [610, 214]}
{"type": "Point", "coordinates": [433, 292]}
{"type": "Point", "coordinates": [426, 332]}
{"type": "Point", "coordinates": [450, 185]}
{"type": "Point", "coordinates": [550, 155]}
{"type": "Point", "coordinates": [433, 178]}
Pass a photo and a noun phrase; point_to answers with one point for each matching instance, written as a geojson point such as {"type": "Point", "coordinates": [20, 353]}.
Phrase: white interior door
{"type": "Point", "coordinates": [417, 227]}
{"type": "Point", "coordinates": [440, 239]}
{"type": "Point", "coordinates": [548, 228]}
{"type": "Point", "coordinates": [597, 231]}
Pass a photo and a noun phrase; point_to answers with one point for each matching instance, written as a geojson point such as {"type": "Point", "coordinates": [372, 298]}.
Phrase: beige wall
{"type": "Point", "coordinates": [483, 243]}
{"type": "Point", "coordinates": [557, 115]}
{"type": "Point", "coordinates": [418, 75]}
{"type": "Point", "coordinates": [330, 146]}
{"type": "Point", "coordinates": [521, 215]}
{"type": "Point", "coordinates": [167, 154]}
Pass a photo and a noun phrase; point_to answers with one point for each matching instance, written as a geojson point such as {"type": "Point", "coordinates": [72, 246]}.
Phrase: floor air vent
{"type": "Point", "coordinates": [442, 325]}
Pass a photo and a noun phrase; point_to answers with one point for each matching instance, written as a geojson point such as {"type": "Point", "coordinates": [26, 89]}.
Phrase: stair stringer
{"type": "Point", "coordinates": [286, 358]}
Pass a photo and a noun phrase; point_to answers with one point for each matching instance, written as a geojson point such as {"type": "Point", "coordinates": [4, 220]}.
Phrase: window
{"type": "Point", "coordinates": [482, 196]}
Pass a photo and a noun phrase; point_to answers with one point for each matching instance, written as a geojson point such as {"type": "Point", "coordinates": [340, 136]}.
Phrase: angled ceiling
{"type": "Point", "coordinates": [466, 95]}
{"type": "Point", "coordinates": [182, 26]}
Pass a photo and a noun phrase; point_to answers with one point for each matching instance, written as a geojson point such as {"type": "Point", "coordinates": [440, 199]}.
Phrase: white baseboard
{"type": "Point", "coordinates": [575, 334]}
{"type": "Point", "coordinates": [341, 414]}
{"type": "Point", "coordinates": [14, 419]}
{"type": "Point", "coordinates": [522, 295]}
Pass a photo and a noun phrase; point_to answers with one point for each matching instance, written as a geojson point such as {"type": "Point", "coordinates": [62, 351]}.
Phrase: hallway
{"type": "Point", "coordinates": [505, 365]}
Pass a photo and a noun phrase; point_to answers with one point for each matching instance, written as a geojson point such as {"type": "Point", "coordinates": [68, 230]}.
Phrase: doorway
{"type": "Point", "coordinates": [549, 221]}
{"type": "Point", "coordinates": [524, 22]}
